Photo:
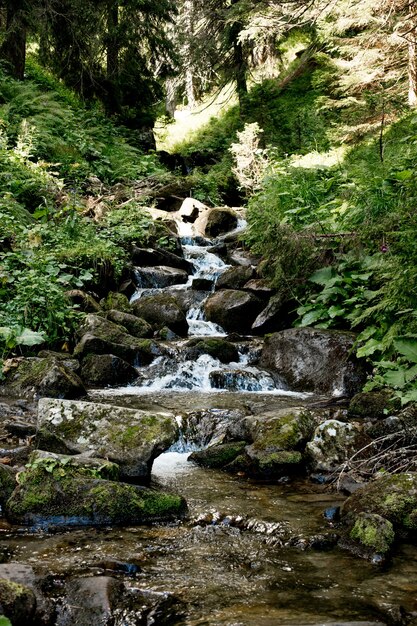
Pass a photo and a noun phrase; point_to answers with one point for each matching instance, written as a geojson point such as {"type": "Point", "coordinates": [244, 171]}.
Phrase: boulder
{"type": "Point", "coordinates": [218, 456]}
{"type": "Point", "coordinates": [61, 496]}
{"type": "Point", "coordinates": [149, 257]}
{"type": "Point", "coordinates": [278, 442]}
{"type": "Point", "coordinates": [17, 602]}
{"type": "Point", "coordinates": [220, 349]}
{"type": "Point", "coordinates": [29, 606]}
{"type": "Point", "coordinates": [233, 310]}
{"type": "Point", "coordinates": [101, 370]}
{"type": "Point", "coordinates": [219, 221]}
{"type": "Point", "coordinates": [7, 483]}
{"type": "Point", "coordinates": [41, 377]}
{"type": "Point", "coordinates": [274, 317]}
{"type": "Point", "coordinates": [130, 438]}
{"type": "Point", "coordinates": [311, 359]}
{"type": "Point", "coordinates": [259, 287]}
{"type": "Point", "coordinates": [160, 276]}
{"type": "Point", "coordinates": [162, 310]}
{"type": "Point", "coordinates": [99, 335]}
{"type": "Point", "coordinates": [334, 442]}
{"type": "Point", "coordinates": [80, 464]}
{"type": "Point", "coordinates": [370, 404]}
{"type": "Point", "coordinates": [135, 326]}
{"type": "Point", "coordinates": [392, 496]}
{"type": "Point", "coordinates": [372, 534]}
{"type": "Point", "coordinates": [235, 277]}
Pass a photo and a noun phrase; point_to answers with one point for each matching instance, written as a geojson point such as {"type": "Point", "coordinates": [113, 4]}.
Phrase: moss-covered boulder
{"type": "Point", "coordinates": [333, 443]}
{"type": "Point", "coordinates": [233, 310]}
{"type": "Point", "coordinates": [77, 464]}
{"type": "Point", "coordinates": [393, 496]}
{"type": "Point", "coordinates": [99, 335]}
{"type": "Point", "coordinates": [41, 377]}
{"type": "Point", "coordinates": [18, 602]}
{"type": "Point", "coordinates": [217, 457]}
{"type": "Point", "coordinates": [7, 483]}
{"type": "Point", "coordinates": [220, 349]}
{"type": "Point", "coordinates": [151, 257]}
{"type": "Point", "coordinates": [62, 497]}
{"type": "Point", "coordinates": [278, 442]}
{"type": "Point", "coordinates": [161, 310]}
{"type": "Point", "coordinates": [115, 301]}
{"type": "Point", "coordinates": [372, 534]}
{"type": "Point", "coordinates": [131, 438]}
{"type": "Point", "coordinates": [370, 404]}
{"type": "Point", "coordinates": [135, 326]}
{"type": "Point", "coordinates": [101, 370]}
{"type": "Point", "coordinates": [312, 359]}
{"type": "Point", "coordinates": [235, 277]}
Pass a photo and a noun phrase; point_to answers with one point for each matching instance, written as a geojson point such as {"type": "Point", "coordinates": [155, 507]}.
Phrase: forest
{"type": "Point", "coordinates": [317, 137]}
{"type": "Point", "coordinates": [208, 312]}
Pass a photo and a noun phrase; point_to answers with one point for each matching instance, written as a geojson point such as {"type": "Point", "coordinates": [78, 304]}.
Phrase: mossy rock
{"type": "Point", "coordinates": [74, 465]}
{"type": "Point", "coordinates": [136, 326]}
{"type": "Point", "coordinates": [117, 301]}
{"type": "Point", "coordinates": [373, 533]}
{"type": "Point", "coordinates": [220, 349]}
{"type": "Point", "coordinates": [371, 404]}
{"type": "Point", "coordinates": [99, 335]}
{"type": "Point", "coordinates": [101, 370]}
{"type": "Point", "coordinates": [46, 499]}
{"type": "Point", "coordinates": [393, 496]}
{"type": "Point", "coordinates": [41, 377]}
{"type": "Point", "coordinates": [18, 602]}
{"type": "Point", "coordinates": [131, 438]}
{"type": "Point", "coordinates": [7, 483]}
{"type": "Point", "coordinates": [287, 429]}
{"type": "Point", "coordinates": [278, 443]}
{"type": "Point", "coordinates": [216, 457]}
{"type": "Point", "coordinates": [333, 443]}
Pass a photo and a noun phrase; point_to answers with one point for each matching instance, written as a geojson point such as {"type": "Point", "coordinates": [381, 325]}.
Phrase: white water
{"type": "Point", "coordinates": [205, 374]}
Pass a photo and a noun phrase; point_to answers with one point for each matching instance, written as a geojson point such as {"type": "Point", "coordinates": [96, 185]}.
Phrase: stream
{"type": "Point", "coordinates": [244, 557]}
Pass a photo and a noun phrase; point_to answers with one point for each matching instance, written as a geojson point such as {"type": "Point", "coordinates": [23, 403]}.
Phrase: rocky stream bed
{"type": "Point", "coordinates": [183, 467]}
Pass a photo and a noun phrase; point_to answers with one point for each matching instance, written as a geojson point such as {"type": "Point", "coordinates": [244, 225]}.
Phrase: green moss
{"type": "Point", "coordinates": [79, 499]}
{"type": "Point", "coordinates": [373, 532]}
{"type": "Point", "coordinates": [284, 433]}
{"type": "Point", "coordinates": [392, 496]}
{"type": "Point", "coordinates": [279, 459]}
{"type": "Point", "coordinates": [116, 301]}
{"type": "Point", "coordinates": [218, 456]}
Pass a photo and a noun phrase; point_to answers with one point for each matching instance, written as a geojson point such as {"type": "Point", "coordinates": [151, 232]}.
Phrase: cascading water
{"type": "Point", "coordinates": [204, 373]}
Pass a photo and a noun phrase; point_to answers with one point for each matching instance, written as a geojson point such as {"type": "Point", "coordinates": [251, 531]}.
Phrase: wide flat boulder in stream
{"type": "Point", "coordinates": [55, 492]}
{"type": "Point", "coordinates": [233, 310]}
{"type": "Point", "coordinates": [311, 359]}
{"type": "Point", "coordinates": [131, 438]}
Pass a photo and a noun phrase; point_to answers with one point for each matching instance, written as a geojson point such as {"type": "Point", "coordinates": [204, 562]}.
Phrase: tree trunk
{"type": "Point", "coordinates": [113, 104]}
{"type": "Point", "coordinates": [13, 48]}
{"type": "Point", "coordinates": [412, 69]}
{"type": "Point", "coordinates": [189, 15]}
{"type": "Point", "coordinates": [240, 66]}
